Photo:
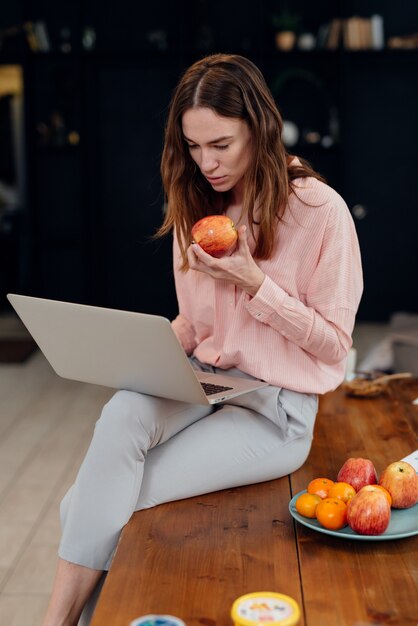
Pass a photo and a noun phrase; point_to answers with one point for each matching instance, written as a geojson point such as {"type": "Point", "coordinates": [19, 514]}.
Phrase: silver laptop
{"type": "Point", "coordinates": [121, 350]}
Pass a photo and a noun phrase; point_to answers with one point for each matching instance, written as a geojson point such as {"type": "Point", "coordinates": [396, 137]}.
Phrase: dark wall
{"type": "Point", "coordinates": [95, 109]}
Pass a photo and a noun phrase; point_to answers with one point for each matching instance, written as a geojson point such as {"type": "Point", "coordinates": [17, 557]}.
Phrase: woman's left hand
{"type": "Point", "coordinates": [238, 268]}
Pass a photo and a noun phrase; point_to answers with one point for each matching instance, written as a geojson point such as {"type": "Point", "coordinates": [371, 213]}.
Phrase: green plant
{"type": "Point", "coordinates": [286, 20]}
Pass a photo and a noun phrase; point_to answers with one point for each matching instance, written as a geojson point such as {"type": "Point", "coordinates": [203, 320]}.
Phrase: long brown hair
{"type": "Point", "coordinates": [232, 86]}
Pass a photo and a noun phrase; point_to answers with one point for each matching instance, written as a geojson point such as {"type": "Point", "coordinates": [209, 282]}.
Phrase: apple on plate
{"type": "Point", "coordinates": [368, 513]}
{"type": "Point", "coordinates": [378, 489]}
{"type": "Point", "coordinates": [357, 472]}
{"type": "Point", "coordinates": [401, 480]}
{"type": "Point", "coordinates": [216, 234]}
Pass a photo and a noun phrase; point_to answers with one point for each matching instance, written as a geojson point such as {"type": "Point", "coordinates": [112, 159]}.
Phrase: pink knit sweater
{"type": "Point", "coordinates": [296, 331]}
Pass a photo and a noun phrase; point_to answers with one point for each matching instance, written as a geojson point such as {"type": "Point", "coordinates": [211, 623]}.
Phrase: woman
{"type": "Point", "coordinates": [280, 308]}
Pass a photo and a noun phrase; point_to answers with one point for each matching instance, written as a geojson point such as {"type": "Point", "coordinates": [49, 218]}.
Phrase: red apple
{"type": "Point", "coordinates": [357, 472]}
{"type": "Point", "coordinates": [401, 480]}
{"type": "Point", "coordinates": [216, 234]}
{"type": "Point", "coordinates": [378, 489]}
{"type": "Point", "coordinates": [368, 513]}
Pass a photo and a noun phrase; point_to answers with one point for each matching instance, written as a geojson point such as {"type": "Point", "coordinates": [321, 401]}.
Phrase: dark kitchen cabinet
{"type": "Point", "coordinates": [132, 269]}
{"type": "Point", "coordinates": [380, 101]}
{"type": "Point", "coordinates": [95, 111]}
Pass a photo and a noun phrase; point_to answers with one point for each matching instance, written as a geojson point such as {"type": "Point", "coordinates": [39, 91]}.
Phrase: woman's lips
{"type": "Point", "coordinates": [215, 179]}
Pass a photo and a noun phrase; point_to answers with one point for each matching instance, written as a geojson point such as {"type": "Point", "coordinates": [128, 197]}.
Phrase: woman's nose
{"type": "Point", "coordinates": [209, 162]}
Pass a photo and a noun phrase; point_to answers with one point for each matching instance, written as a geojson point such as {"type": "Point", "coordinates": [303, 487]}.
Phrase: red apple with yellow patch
{"type": "Point", "coordinates": [378, 489]}
{"type": "Point", "coordinates": [401, 480]}
{"type": "Point", "coordinates": [216, 235]}
{"type": "Point", "coordinates": [368, 513]}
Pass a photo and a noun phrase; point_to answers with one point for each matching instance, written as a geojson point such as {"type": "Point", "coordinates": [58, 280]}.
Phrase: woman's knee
{"type": "Point", "coordinates": [297, 452]}
{"type": "Point", "coordinates": [120, 425]}
{"type": "Point", "coordinates": [133, 417]}
{"type": "Point", "coordinates": [121, 412]}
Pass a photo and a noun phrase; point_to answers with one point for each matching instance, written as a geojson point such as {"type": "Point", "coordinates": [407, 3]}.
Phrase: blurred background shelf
{"type": "Point", "coordinates": [95, 86]}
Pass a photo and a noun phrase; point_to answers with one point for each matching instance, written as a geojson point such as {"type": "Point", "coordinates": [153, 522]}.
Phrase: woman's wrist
{"type": "Point", "coordinates": [252, 287]}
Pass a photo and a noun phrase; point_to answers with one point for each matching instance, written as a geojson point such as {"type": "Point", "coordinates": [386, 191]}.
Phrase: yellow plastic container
{"type": "Point", "coordinates": [265, 608]}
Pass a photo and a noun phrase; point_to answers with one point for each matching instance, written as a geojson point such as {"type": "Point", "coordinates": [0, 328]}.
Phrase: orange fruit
{"type": "Point", "coordinates": [378, 489]}
{"type": "Point", "coordinates": [320, 486]}
{"type": "Point", "coordinates": [306, 504]}
{"type": "Point", "coordinates": [342, 490]}
{"type": "Point", "coordinates": [331, 513]}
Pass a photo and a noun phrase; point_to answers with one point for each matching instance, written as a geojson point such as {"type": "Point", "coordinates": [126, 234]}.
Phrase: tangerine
{"type": "Point", "coordinates": [342, 490]}
{"type": "Point", "coordinates": [320, 486]}
{"type": "Point", "coordinates": [306, 504]}
{"type": "Point", "coordinates": [331, 513]}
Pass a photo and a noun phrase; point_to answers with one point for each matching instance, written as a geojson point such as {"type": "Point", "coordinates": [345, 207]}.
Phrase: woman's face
{"type": "Point", "coordinates": [220, 146]}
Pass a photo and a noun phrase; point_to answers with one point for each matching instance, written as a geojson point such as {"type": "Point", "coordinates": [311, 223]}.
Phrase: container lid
{"type": "Point", "coordinates": [265, 607]}
{"type": "Point", "coordinates": [157, 620]}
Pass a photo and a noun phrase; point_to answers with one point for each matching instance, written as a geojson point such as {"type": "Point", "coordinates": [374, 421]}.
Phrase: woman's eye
{"type": "Point", "coordinates": [193, 146]}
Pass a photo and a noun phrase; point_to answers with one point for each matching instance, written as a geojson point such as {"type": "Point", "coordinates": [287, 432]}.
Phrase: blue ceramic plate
{"type": "Point", "coordinates": [403, 523]}
{"type": "Point", "coordinates": [157, 620]}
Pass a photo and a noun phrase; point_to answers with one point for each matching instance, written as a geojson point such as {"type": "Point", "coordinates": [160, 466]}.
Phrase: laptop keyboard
{"type": "Point", "coordinates": [210, 388]}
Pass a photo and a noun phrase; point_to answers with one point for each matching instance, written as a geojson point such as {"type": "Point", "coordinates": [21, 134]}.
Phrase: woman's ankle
{"type": "Point", "coordinates": [72, 588]}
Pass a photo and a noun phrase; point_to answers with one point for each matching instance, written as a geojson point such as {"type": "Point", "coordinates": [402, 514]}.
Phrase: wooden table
{"type": "Point", "coordinates": [194, 557]}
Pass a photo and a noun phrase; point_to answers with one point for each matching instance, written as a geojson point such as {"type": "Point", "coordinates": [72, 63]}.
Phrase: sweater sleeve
{"type": "Point", "coordinates": [322, 323]}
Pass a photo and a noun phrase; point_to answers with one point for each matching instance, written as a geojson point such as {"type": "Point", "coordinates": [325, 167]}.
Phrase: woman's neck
{"type": "Point", "coordinates": [234, 211]}
{"type": "Point", "coordinates": [237, 194]}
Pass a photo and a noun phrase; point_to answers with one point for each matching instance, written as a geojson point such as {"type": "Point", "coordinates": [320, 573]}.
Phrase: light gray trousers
{"type": "Point", "coordinates": [147, 450]}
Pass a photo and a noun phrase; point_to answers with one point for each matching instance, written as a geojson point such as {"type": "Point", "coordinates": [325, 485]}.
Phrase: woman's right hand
{"type": "Point", "coordinates": [185, 333]}
{"type": "Point", "coordinates": [239, 267]}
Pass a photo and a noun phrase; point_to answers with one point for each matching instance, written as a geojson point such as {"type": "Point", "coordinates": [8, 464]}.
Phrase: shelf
{"type": "Point", "coordinates": [107, 55]}
{"type": "Point", "coordinates": [185, 57]}
{"type": "Point", "coordinates": [340, 52]}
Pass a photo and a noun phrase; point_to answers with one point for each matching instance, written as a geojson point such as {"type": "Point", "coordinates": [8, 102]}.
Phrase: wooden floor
{"type": "Point", "coordinates": [45, 427]}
